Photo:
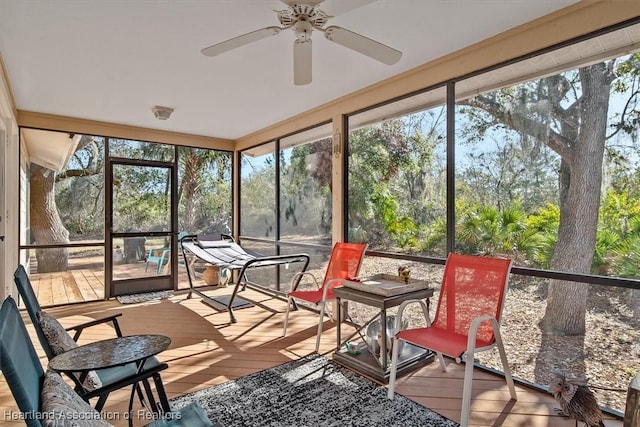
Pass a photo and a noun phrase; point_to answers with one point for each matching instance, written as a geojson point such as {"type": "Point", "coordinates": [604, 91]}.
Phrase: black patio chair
{"type": "Point", "coordinates": [32, 305]}
{"type": "Point", "coordinates": [109, 379]}
{"type": "Point", "coordinates": [38, 393]}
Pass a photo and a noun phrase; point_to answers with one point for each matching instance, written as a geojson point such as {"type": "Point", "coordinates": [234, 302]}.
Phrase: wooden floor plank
{"type": "Point", "coordinates": [71, 287]}
{"type": "Point", "coordinates": [83, 282]}
{"type": "Point", "coordinates": [96, 281]}
{"type": "Point", "coordinates": [45, 293]}
{"type": "Point", "coordinates": [58, 289]}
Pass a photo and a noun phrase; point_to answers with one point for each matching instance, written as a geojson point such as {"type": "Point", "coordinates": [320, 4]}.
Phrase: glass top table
{"type": "Point", "coordinates": [110, 353]}
{"type": "Point", "coordinates": [382, 298]}
{"type": "Point", "coordinates": [119, 351]}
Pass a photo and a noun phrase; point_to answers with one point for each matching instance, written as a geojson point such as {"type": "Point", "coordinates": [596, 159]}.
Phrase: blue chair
{"type": "Point", "coordinates": [32, 305]}
{"type": "Point", "coordinates": [158, 256]}
{"type": "Point", "coordinates": [19, 362]}
{"type": "Point", "coordinates": [161, 256]}
{"type": "Point", "coordinates": [113, 378]}
{"type": "Point", "coordinates": [23, 373]}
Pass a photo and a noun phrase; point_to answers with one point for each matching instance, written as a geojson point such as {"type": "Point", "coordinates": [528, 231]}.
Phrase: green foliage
{"type": "Point", "coordinates": [142, 194]}
{"type": "Point", "coordinates": [305, 189]}
{"type": "Point", "coordinates": [509, 166]}
{"type": "Point", "coordinates": [433, 237]}
{"type": "Point", "coordinates": [357, 235]}
{"type": "Point", "coordinates": [618, 240]}
{"type": "Point", "coordinates": [204, 190]}
{"type": "Point", "coordinates": [628, 119]}
{"type": "Point", "coordinates": [399, 227]}
{"type": "Point", "coordinates": [141, 198]}
{"type": "Point", "coordinates": [258, 196]}
{"type": "Point", "coordinates": [545, 224]}
{"type": "Point", "coordinates": [396, 185]}
{"type": "Point", "coordinates": [489, 231]}
{"type": "Point", "coordinates": [80, 191]}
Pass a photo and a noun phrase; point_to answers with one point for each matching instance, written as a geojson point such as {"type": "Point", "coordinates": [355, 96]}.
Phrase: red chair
{"type": "Point", "coordinates": [467, 319]}
{"type": "Point", "coordinates": [344, 263]}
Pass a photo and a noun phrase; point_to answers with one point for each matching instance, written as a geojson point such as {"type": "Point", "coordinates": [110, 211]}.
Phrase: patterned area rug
{"type": "Point", "coordinates": [311, 391]}
{"type": "Point", "coordinates": [147, 296]}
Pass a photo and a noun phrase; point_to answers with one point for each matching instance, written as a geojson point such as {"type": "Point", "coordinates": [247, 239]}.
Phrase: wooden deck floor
{"type": "Point", "coordinates": [206, 350]}
{"type": "Point", "coordinates": [85, 282]}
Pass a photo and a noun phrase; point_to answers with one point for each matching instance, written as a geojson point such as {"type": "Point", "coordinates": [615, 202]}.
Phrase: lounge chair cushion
{"type": "Point", "coordinates": [63, 406]}
{"type": "Point", "coordinates": [60, 341]}
{"type": "Point", "coordinates": [191, 415]}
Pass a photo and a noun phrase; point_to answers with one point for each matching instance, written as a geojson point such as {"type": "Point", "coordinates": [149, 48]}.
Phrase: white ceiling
{"type": "Point", "coordinates": [114, 60]}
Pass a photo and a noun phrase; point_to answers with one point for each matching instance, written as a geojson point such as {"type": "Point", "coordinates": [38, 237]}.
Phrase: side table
{"type": "Point", "coordinates": [364, 360]}
{"type": "Point", "coordinates": [111, 353]}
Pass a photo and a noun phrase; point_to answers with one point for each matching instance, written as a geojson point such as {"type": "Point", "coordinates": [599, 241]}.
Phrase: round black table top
{"type": "Point", "coordinates": [109, 353]}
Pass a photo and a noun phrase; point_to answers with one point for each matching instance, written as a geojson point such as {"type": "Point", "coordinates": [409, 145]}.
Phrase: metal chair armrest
{"type": "Point", "coordinates": [82, 326]}
{"type": "Point", "coordinates": [295, 280]}
{"type": "Point", "coordinates": [425, 312]}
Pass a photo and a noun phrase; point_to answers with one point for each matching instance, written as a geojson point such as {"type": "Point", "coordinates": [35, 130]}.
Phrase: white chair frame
{"type": "Point", "coordinates": [467, 356]}
{"type": "Point", "coordinates": [321, 304]}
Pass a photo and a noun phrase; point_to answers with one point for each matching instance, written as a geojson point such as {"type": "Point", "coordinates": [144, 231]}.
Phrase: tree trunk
{"type": "Point", "coordinates": [46, 225]}
{"type": "Point", "coordinates": [577, 132]}
{"type": "Point", "coordinates": [580, 184]}
{"type": "Point", "coordinates": [190, 189]}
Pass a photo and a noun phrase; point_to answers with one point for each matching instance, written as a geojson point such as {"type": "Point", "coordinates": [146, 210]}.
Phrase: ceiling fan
{"type": "Point", "coordinates": [304, 16]}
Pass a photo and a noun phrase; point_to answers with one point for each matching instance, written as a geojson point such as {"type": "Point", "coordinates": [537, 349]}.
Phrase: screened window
{"type": "Point", "coordinates": [305, 186]}
{"type": "Point", "coordinates": [258, 192]}
{"type": "Point", "coordinates": [396, 176]}
{"type": "Point", "coordinates": [204, 188]}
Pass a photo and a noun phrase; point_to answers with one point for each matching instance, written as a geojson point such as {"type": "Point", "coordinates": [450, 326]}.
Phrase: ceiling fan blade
{"type": "Point", "coordinates": [371, 48]}
{"type": "Point", "coordinates": [302, 62]}
{"type": "Point", "coordinates": [242, 40]}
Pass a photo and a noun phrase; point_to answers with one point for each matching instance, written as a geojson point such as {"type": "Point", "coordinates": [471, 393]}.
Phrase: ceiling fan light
{"type": "Point", "coordinates": [302, 71]}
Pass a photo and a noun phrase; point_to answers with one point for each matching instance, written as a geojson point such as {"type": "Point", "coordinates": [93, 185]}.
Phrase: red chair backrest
{"type": "Point", "coordinates": [472, 286]}
{"type": "Point", "coordinates": [345, 262]}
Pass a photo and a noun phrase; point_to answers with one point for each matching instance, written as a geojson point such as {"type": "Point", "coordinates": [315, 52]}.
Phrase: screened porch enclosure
{"type": "Point", "coordinates": [534, 159]}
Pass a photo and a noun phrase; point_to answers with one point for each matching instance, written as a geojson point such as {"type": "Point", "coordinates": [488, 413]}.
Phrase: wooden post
{"type": "Point", "coordinates": [632, 408]}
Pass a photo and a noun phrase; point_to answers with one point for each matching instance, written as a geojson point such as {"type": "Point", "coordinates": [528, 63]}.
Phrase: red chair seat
{"type": "Point", "coordinates": [439, 340]}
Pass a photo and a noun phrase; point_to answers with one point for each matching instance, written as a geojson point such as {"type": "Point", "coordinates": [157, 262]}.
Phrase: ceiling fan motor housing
{"type": "Point", "coordinates": [302, 12]}
{"type": "Point", "coordinates": [303, 30]}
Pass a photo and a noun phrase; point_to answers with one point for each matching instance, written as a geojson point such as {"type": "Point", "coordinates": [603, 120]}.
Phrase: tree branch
{"type": "Point", "coordinates": [71, 173]}
{"type": "Point", "coordinates": [516, 120]}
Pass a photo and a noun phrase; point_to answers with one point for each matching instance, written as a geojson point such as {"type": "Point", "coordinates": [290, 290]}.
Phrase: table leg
{"type": "Point", "coordinates": [130, 413]}
{"type": "Point", "coordinates": [162, 395]}
{"type": "Point", "coordinates": [338, 322]}
{"type": "Point", "coordinates": [383, 339]}
{"type": "Point", "coordinates": [151, 404]}
{"type": "Point", "coordinates": [358, 331]}
{"type": "Point", "coordinates": [136, 387]}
